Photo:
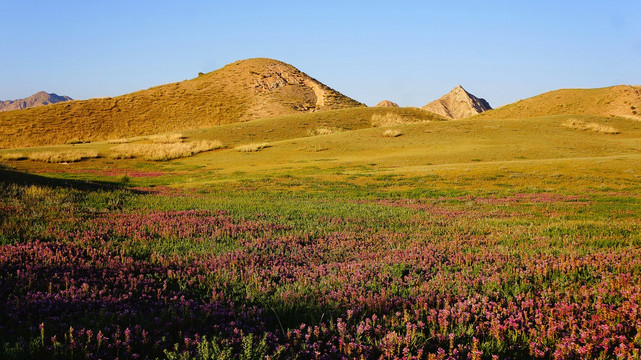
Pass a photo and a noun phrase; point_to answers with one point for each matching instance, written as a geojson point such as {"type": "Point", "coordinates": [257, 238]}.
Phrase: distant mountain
{"type": "Point", "coordinates": [386, 103]}
{"type": "Point", "coordinates": [620, 100]}
{"type": "Point", "coordinates": [38, 99]}
{"type": "Point", "coordinates": [458, 104]}
{"type": "Point", "coordinates": [241, 91]}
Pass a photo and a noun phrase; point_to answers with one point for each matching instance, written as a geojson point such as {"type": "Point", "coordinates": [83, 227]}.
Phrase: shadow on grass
{"type": "Point", "coordinates": [13, 177]}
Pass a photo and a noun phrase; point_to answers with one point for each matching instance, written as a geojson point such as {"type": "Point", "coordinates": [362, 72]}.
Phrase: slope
{"type": "Point", "coordinates": [240, 91]}
{"type": "Point", "coordinates": [621, 100]}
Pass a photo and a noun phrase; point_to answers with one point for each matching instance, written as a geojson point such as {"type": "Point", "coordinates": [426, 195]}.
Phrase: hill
{"type": "Point", "coordinates": [40, 98]}
{"type": "Point", "coordinates": [241, 91]}
{"type": "Point", "coordinates": [458, 104]}
{"type": "Point", "coordinates": [386, 103]}
{"type": "Point", "coordinates": [621, 100]}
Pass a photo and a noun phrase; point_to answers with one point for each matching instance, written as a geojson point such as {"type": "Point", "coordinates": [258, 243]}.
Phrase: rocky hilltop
{"type": "Point", "coordinates": [40, 98]}
{"type": "Point", "coordinates": [386, 103]}
{"type": "Point", "coordinates": [458, 104]}
{"type": "Point", "coordinates": [241, 91]}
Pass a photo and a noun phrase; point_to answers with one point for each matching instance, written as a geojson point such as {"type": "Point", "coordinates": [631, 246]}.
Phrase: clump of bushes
{"type": "Point", "coordinates": [392, 133]}
{"type": "Point", "coordinates": [324, 131]}
{"type": "Point", "coordinates": [163, 151]}
{"type": "Point", "coordinates": [313, 148]}
{"type": "Point", "coordinates": [582, 125]}
{"type": "Point", "coordinates": [13, 156]}
{"type": "Point", "coordinates": [392, 119]}
{"type": "Point", "coordinates": [65, 156]}
{"type": "Point", "coordinates": [252, 147]}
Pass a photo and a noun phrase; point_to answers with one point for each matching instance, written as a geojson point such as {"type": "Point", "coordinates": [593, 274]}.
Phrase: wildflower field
{"type": "Point", "coordinates": [297, 268]}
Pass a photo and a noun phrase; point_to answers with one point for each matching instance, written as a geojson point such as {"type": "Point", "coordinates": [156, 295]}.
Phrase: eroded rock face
{"type": "Point", "coordinates": [386, 103]}
{"type": "Point", "coordinates": [38, 99]}
{"type": "Point", "coordinates": [458, 104]}
{"type": "Point", "coordinates": [296, 88]}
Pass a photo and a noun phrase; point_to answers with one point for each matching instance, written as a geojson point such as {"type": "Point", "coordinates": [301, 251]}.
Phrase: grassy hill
{"type": "Point", "coordinates": [621, 100]}
{"type": "Point", "coordinates": [241, 91]}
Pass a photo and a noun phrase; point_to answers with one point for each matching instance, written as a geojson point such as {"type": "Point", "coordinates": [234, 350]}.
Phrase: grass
{"type": "Point", "coordinates": [393, 119]}
{"type": "Point", "coordinates": [455, 229]}
{"type": "Point", "coordinates": [591, 126]}
{"type": "Point", "coordinates": [64, 156]}
{"type": "Point", "coordinates": [13, 156]}
{"type": "Point", "coordinates": [392, 133]}
{"type": "Point", "coordinates": [224, 96]}
{"type": "Point", "coordinates": [604, 102]}
{"type": "Point", "coordinates": [324, 131]}
{"type": "Point", "coordinates": [163, 151]}
{"type": "Point", "coordinates": [276, 256]}
{"type": "Point", "coordinates": [252, 147]}
{"type": "Point", "coordinates": [167, 138]}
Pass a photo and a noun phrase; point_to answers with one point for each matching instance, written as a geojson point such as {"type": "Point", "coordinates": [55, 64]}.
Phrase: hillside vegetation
{"type": "Point", "coordinates": [241, 91]}
{"type": "Point", "coordinates": [621, 100]}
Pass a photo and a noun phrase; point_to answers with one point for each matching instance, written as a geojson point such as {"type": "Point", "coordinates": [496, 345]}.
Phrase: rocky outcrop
{"type": "Point", "coordinates": [458, 104]}
{"type": "Point", "coordinates": [38, 99]}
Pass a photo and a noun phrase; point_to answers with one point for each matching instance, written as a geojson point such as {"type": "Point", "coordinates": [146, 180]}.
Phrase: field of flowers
{"type": "Point", "coordinates": [244, 273]}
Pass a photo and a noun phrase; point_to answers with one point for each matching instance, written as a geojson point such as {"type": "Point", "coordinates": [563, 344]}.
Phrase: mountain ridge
{"type": "Point", "coordinates": [41, 98]}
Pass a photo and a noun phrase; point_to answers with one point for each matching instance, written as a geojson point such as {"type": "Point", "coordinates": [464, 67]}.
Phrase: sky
{"type": "Point", "coordinates": [409, 52]}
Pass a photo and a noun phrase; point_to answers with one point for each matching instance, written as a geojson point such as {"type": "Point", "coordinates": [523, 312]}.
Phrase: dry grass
{"type": "Point", "coordinates": [313, 148]}
{"type": "Point", "coordinates": [228, 95]}
{"type": "Point", "coordinates": [118, 141]}
{"type": "Point", "coordinates": [252, 147]}
{"type": "Point", "coordinates": [167, 138]}
{"type": "Point", "coordinates": [324, 131]}
{"type": "Point", "coordinates": [582, 125]}
{"type": "Point", "coordinates": [392, 133]}
{"type": "Point", "coordinates": [162, 151]}
{"type": "Point", "coordinates": [392, 119]}
{"type": "Point", "coordinates": [13, 156]}
{"type": "Point", "coordinates": [65, 156]}
{"type": "Point", "coordinates": [614, 100]}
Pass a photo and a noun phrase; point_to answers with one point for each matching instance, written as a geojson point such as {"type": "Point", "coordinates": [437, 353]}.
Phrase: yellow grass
{"type": "Point", "coordinates": [13, 156]}
{"type": "Point", "coordinates": [118, 141]}
{"type": "Point", "coordinates": [225, 96]}
{"type": "Point", "coordinates": [591, 126]}
{"type": "Point", "coordinates": [252, 147]}
{"type": "Point", "coordinates": [163, 151]}
{"type": "Point", "coordinates": [167, 138]}
{"type": "Point", "coordinates": [313, 148]}
{"type": "Point", "coordinates": [65, 156]}
{"type": "Point", "coordinates": [392, 133]}
{"type": "Point", "coordinates": [324, 131]}
{"type": "Point", "coordinates": [621, 100]}
{"type": "Point", "coordinates": [393, 119]}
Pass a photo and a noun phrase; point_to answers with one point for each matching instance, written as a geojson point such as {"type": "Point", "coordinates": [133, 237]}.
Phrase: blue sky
{"type": "Point", "coordinates": [410, 52]}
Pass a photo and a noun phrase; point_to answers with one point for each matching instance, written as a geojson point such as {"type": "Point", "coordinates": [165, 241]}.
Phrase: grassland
{"type": "Point", "coordinates": [469, 239]}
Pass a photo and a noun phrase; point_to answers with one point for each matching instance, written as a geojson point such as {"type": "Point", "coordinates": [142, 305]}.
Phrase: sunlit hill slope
{"type": "Point", "coordinates": [621, 100]}
{"type": "Point", "coordinates": [241, 91]}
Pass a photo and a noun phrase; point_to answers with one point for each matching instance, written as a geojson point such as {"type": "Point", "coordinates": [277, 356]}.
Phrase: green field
{"type": "Point", "coordinates": [470, 239]}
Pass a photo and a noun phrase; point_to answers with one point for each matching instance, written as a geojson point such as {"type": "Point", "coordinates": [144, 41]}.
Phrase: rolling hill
{"type": "Point", "coordinates": [241, 91]}
{"type": "Point", "coordinates": [40, 98]}
{"type": "Point", "coordinates": [621, 100]}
